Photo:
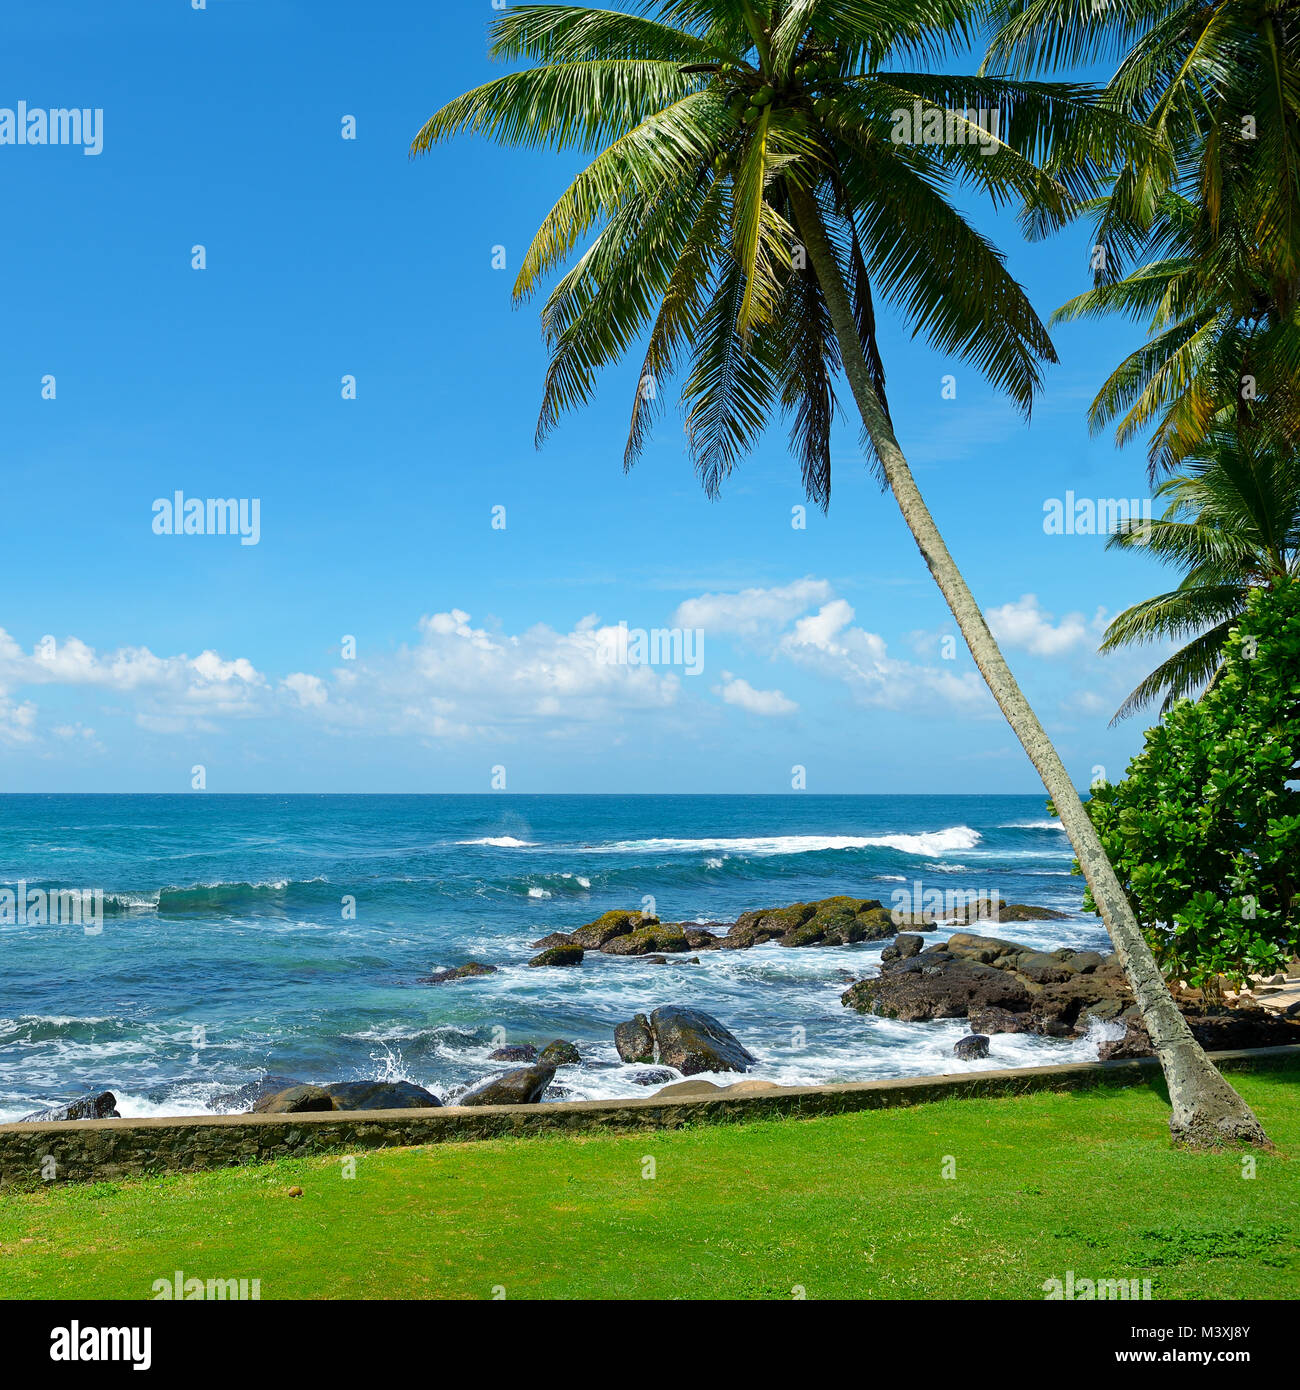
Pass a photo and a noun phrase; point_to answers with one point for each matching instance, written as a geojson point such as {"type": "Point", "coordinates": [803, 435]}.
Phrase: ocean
{"type": "Point", "coordinates": [246, 935]}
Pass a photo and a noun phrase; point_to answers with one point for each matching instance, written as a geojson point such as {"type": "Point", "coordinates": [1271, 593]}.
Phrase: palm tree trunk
{"type": "Point", "coordinates": [1206, 1110]}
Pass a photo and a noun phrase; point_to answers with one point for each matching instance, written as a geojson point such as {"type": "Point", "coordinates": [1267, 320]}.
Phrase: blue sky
{"type": "Point", "coordinates": [476, 648]}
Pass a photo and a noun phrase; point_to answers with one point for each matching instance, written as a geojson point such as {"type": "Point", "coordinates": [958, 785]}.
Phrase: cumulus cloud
{"type": "Point", "coordinates": [736, 691]}
{"type": "Point", "coordinates": [751, 611]}
{"type": "Point", "coordinates": [173, 691]}
{"type": "Point", "coordinates": [1026, 624]}
{"type": "Point", "coordinates": [828, 642]}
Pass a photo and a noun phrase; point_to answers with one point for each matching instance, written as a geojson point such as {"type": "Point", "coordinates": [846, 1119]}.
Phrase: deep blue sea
{"type": "Point", "coordinates": [229, 950]}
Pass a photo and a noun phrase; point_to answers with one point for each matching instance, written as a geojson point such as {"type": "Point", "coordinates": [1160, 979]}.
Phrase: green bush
{"type": "Point", "coordinates": [1204, 831]}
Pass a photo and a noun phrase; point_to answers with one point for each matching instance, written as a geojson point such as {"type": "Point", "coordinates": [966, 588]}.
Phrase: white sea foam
{"type": "Point", "coordinates": [929, 843]}
{"type": "Point", "coordinates": [1032, 825]}
{"type": "Point", "coordinates": [539, 893]}
{"type": "Point", "coordinates": [500, 842]}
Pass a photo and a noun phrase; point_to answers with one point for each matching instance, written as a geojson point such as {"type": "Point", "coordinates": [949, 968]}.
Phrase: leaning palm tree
{"type": "Point", "coordinates": [758, 178]}
{"type": "Point", "coordinates": [1232, 524]}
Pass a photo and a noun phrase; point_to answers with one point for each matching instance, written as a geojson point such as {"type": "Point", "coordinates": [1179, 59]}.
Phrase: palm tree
{"type": "Point", "coordinates": [1232, 524]}
{"type": "Point", "coordinates": [1222, 348]}
{"type": "Point", "coordinates": [754, 186]}
{"type": "Point", "coordinates": [1217, 85]}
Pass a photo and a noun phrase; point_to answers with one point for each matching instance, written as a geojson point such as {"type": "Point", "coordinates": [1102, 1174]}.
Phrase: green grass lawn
{"type": "Point", "coordinates": [848, 1207]}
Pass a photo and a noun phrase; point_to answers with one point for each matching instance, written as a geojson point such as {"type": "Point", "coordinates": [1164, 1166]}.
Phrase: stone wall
{"type": "Point", "coordinates": [88, 1149]}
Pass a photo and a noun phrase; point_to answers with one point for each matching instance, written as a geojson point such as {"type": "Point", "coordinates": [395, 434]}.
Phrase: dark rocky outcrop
{"type": "Point", "coordinates": [294, 1101]}
{"type": "Point", "coordinates": [381, 1095]}
{"type": "Point", "coordinates": [700, 938]}
{"type": "Point", "coordinates": [656, 1077]}
{"type": "Point", "coordinates": [97, 1107]}
{"type": "Point", "coordinates": [468, 971]}
{"type": "Point", "coordinates": [634, 1040]}
{"type": "Point", "coordinates": [906, 945]}
{"type": "Point", "coordinates": [559, 955]}
{"type": "Point", "coordinates": [518, 1052]}
{"type": "Point", "coordinates": [936, 985]}
{"type": "Point", "coordinates": [241, 1100]}
{"type": "Point", "coordinates": [1218, 1031]}
{"type": "Point", "coordinates": [559, 1054]}
{"type": "Point", "coordinates": [523, 1087]}
{"type": "Point", "coordinates": [692, 1041]}
{"type": "Point", "coordinates": [1003, 986]}
{"type": "Point", "coordinates": [971, 1048]}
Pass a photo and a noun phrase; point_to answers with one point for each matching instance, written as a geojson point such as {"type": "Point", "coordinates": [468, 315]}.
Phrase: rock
{"type": "Point", "coordinates": [1043, 969]}
{"type": "Point", "coordinates": [468, 971]}
{"type": "Point", "coordinates": [908, 944]}
{"type": "Point", "coordinates": [652, 939]}
{"type": "Point", "coordinates": [635, 1041]}
{"type": "Point", "coordinates": [1226, 1029]}
{"type": "Point", "coordinates": [655, 960]}
{"type": "Point", "coordinates": [1136, 1042]}
{"type": "Point", "coordinates": [837, 921]}
{"type": "Point", "coordinates": [688, 1088]}
{"type": "Point", "coordinates": [559, 955]}
{"type": "Point", "coordinates": [941, 990]}
{"type": "Point", "coordinates": [556, 938]}
{"type": "Point", "coordinates": [381, 1095]}
{"type": "Point", "coordinates": [97, 1107]}
{"type": "Point", "coordinates": [605, 928]}
{"type": "Point", "coordinates": [750, 1088]}
{"type": "Point", "coordinates": [766, 924]}
{"type": "Point", "coordinates": [523, 1087]}
{"type": "Point", "coordinates": [692, 1041]}
{"type": "Point", "coordinates": [294, 1101]}
{"type": "Point", "coordinates": [559, 1054]}
{"type": "Point", "coordinates": [994, 1020]}
{"type": "Point", "coordinates": [700, 940]}
{"type": "Point", "coordinates": [656, 1077]}
{"type": "Point", "coordinates": [983, 909]}
{"type": "Point", "coordinates": [1025, 912]}
{"type": "Point", "coordinates": [520, 1052]}
{"type": "Point", "coordinates": [985, 949]}
{"type": "Point", "coordinates": [1103, 1011]}
{"type": "Point", "coordinates": [241, 1100]}
{"type": "Point", "coordinates": [971, 1048]}
{"type": "Point", "coordinates": [1085, 962]}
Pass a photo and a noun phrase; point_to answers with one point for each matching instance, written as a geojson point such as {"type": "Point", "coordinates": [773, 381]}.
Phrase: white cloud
{"type": "Point", "coordinates": [309, 689]}
{"type": "Point", "coordinates": [751, 611]}
{"type": "Point", "coordinates": [826, 641]}
{"type": "Point", "coordinates": [736, 691]}
{"type": "Point", "coordinates": [1026, 624]}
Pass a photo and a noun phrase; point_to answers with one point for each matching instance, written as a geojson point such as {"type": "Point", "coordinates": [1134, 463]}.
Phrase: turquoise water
{"type": "Point", "coordinates": [227, 952]}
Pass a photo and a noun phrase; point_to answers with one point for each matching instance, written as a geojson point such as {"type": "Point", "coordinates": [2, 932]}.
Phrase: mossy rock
{"type": "Point", "coordinates": [606, 927]}
{"type": "Point", "coordinates": [653, 939]}
{"type": "Point", "coordinates": [877, 923]}
{"type": "Point", "coordinates": [559, 955]}
{"type": "Point", "coordinates": [559, 1054]}
{"type": "Point", "coordinates": [767, 924]}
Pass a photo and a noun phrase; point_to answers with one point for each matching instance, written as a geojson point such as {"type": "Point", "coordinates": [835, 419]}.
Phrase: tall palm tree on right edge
{"type": "Point", "coordinates": [1232, 524]}
{"type": "Point", "coordinates": [753, 177]}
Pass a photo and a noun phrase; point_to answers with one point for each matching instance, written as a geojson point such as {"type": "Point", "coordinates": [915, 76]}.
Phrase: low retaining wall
{"type": "Point", "coordinates": [83, 1149]}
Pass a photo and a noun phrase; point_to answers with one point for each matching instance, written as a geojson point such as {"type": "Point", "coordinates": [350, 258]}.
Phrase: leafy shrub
{"type": "Point", "coordinates": [1204, 831]}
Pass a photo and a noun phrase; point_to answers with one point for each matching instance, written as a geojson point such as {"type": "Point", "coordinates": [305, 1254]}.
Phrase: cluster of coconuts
{"type": "Point", "coordinates": [747, 107]}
